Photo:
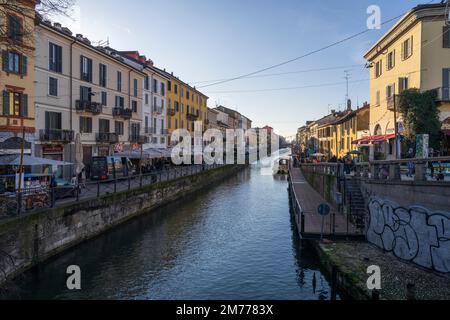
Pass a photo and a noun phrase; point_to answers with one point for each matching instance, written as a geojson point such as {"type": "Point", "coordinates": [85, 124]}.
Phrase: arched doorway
{"type": "Point", "coordinates": [378, 131]}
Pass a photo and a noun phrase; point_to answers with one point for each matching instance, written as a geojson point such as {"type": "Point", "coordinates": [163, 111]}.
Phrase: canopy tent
{"type": "Point", "coordinates": [30, 161]}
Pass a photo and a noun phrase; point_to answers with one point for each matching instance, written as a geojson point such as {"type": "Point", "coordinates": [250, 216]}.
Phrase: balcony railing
{"type": "Point", "coordinates": [139, 139]}
{"type": "Point", "coordinates": [158, 110]}
{"type": "Point", "coordinates": [56, 135]}
{"type": "Point", "coordinates": [88, 106]}
{"type": "Point", "coordinates": [123, 113]}
{"type": "Point", "coordinates": [192, 115]}
{"type": "Point", "coordinates": [171, 112]}
{"type": "Point", "coordinates": [443, 94]}
{"type": "Point", "coordinates": [164, 131]}
{"type": "Point", "coordinates": [107, 137]}
{"type": "Point", "coordinates": [150, 130]}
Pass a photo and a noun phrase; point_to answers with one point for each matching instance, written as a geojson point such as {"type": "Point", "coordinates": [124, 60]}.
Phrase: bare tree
{"type": "Point", "coordinates": [22, 39]}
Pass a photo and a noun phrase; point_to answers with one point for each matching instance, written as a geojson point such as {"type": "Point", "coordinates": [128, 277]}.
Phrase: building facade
{"type": "Point", "coordinates": [17, 47]}
{"type": "Point", "coordinates": [414, 53]}
{"type": "Point", "coordinates": [87, 90]}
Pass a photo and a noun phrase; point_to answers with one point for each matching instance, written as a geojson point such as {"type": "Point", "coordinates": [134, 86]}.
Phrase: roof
{"type": "Point", "coordinates": [407, 15]}
{"type": "Point", "coordinates": [65, 32]}
{"type": "Point", "coordinates": [171, 76]}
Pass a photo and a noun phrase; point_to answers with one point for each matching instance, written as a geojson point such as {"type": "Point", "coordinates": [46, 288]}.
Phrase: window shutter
{"type": "Point", "coordinates": [5, 102]}
{"type": "Point", "coordinates": [59, 59]}
{"type": "Point", "coordinates": [51, 57]}
{"type": "Point", "coordinates": [81, 67]}
{"type": "Point", "coordinates": [445, 83]}
{"type": "Point", "coordinates": [445, 37]}
{"type": "Point", "coordinates": [24, 65]}
{"type": "Point", "coordinates": [412, 46]}
{"type": "Point", "coordinates": [24, 105]}
{"type": "Point", "coordinates": [5, 60]}
{"type": "Point", "coordinates": [90, 70]}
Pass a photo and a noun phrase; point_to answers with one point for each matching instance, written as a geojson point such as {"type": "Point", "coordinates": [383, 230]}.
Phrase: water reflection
{"type": "Point", "coordinates": [236, 240]}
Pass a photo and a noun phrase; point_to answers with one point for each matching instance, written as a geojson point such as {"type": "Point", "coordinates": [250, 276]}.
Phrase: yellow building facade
{"type": "Point", "coordinates": [414, 53]}
{"type": "Point", "coordinates": [185, 106]}
{"type": "Point", "coordinates": [17, 47]}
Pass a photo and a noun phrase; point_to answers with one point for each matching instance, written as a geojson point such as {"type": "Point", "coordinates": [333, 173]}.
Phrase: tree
{"type": "Point", "coordinates": [420, 115]}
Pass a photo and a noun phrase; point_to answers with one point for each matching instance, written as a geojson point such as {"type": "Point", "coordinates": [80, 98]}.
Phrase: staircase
{"type": "Point", "coordinates": [355, 203]}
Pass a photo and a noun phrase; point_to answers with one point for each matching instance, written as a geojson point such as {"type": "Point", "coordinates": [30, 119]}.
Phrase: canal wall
{"type": "Point", "coordinates": [326, 185]}
{"type": "Point", "coordinates": [30, 239]}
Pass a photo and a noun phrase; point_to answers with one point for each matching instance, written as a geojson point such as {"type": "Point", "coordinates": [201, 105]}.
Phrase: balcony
{"type": "Point", "coordinates": [171, 112]}
{"type": "Point", "coordinates": [164, 131]}
{"type": "Point", "coordinates": [443, 94]}
{"type": "Point", "coordinates": [150, 130]}
{"type": "Point", "coordinates": [192, 116]}
{"type": "Point", "coordinates": [56, 135]}
{"type": "Point", "coordinates": [107, 137]}
{"type": "Point", "coordinates": [88, 106]}
{"type": "Point", "coordinates": [393, 102]}
{"type": "Point", "coordinates": [139, 139]}
{"type": "Point", "coordinates": [123, 113]}
{"type": "Point", "coordinates": [158, 110]}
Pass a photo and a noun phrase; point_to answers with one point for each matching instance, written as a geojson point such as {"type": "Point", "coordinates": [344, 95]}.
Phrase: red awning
{"type": "Point", "coordinates": [375, 139]}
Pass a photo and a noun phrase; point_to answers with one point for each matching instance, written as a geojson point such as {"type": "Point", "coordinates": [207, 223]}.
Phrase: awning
{"type": "Point", "coordinates": [374, 139]}
{"type": "Point", "coordinates": [30, 161]}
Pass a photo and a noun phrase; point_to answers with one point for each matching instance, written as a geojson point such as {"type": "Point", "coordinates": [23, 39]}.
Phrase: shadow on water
{"type": "Point", "coordinates": [235, 240]}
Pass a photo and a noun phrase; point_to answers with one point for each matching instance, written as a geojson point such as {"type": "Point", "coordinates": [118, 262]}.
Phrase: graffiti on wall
{"type": "Point", "coordinates": [413, 234]}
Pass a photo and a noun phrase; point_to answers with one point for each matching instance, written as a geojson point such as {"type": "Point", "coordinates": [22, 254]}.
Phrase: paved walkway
{"type": "Point", "coordinates": [309, 200]}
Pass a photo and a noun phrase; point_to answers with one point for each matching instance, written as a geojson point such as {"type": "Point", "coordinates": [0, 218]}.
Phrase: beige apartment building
{"type": "Point", "coordinates": [87, 90]}
{"type": "Point", "coordinates": [414, 53]}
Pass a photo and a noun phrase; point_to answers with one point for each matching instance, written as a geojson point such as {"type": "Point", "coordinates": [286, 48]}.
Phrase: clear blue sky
{"type": "Point", "coordinates": [214, 39]}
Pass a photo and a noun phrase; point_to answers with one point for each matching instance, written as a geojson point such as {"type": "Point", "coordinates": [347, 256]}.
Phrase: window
{"type": "Point", "coordinates": [147, 83]}
{"type": "Point", "coordinates": [390, 91]}
{"type": "Point", "coordinates": [175, 89]}
{"type": "Point", "coordinates": [407, 48]}
{"type": "Point", "coordinates": [391, 60]}
{"type": "Point", "coordinates": [15, 28]}
{"type": "Point", "coordinates": [176, 123]}
{"type": "Point", "coordinates": [119, 81]}
{"type": "Point", "coordinates": [53, 120]}
{"type": "Point", "coordinates": [102, 75]}
{"type": "Point", "coordinates": [135, 129]}
{"type": "Point", "coordinates": [182, 92]}
{"type": "Point", "coordinates": [119, 128]}
{"type": "Point", "coordinates": [155, 86]}
{"type": "Point", "coordinates": [445, 84]}
{"type": "Point", "coordinates": [177, 106]}
{"type": "Point", "coordinates": [403, 84]}
{"type": "Point", "coordinates": [169, 86]}
{"type": "Point", "coordinates": [120, 102]}
{"type": "Point", "coordinates": [446, 37]}
{"type": "Point", "coordinates": [104, 98]}
{"type": "Point", "coordinates": [53, 86]}
{"type": "Point", "coordinates": [146, 124]}
{"type": "Point", "coordinates": [135, 88]}
{"type": "Point", "coordinates": [14, 62]}
{"type": "Point", "coordinates": [146, 99]}
{"type": "Point", "coordinates": [134, 106]}
{"type": "Point", "coordinates": [163, 89]}
{"type": "Point", "coordinates": [85, 125]}
{"type": "Point", "coordinates": [162, 126]}
{"type": "Point", "coordinates": [377, 98]}
{"type": "Point", "coordinates": [378, 68]}
{"type": "Point", "coordinates": [187, 94]}
{"type": "Point", "coordinates": [103, 125]}
{"type": "Point", "coordinates": [85, 69]}
{"type": "Point", "coordinates": [15, 104]}
{"type": "Point", "coordinates": [162, 104]}
{"type": "Point", "coordinates": [55, 58]}
{"type": "Point", "coordinates": [85, 94]}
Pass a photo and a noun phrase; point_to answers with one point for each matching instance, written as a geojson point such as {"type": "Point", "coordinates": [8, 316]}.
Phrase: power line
{"type": "Point", "coordinates": [300, 57]}
{"type": "Point", "coordinates": [290, 72]}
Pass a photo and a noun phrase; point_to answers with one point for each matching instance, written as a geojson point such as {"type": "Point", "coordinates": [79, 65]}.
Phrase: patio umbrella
{"type": "Point", "coordinates": [31, 161]}
{"type": "Point", "coordinates": [79, 165]}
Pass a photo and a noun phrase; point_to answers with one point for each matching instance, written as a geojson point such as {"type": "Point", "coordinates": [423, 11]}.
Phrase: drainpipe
{"type": "Point", "coordinates": [71, 92]}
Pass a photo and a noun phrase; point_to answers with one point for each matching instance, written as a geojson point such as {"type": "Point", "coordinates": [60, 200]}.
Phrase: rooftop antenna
{"type": "Point", "coordinates": [347, 77]}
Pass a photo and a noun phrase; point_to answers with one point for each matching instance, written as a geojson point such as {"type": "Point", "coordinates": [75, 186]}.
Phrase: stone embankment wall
{"type": "Point", "coordinates": [30, 239]}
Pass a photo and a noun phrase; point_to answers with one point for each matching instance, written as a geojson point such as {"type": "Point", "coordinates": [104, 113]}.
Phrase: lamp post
{"type": "Point", "coordinates": [396, 127]}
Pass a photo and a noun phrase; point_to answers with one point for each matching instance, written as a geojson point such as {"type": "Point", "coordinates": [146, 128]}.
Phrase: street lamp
{"type": "Point", "coordinates": [397, 146]}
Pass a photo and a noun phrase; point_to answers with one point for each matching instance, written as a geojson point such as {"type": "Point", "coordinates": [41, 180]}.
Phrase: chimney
{"type": "Point", "coordinates": [79, 36]}
{"type": "Point", "coordinates": [57, 25]}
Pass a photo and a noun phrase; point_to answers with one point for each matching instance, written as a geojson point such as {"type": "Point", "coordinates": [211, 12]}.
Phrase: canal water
{"type": "Point", "coordinates": [235, 240]}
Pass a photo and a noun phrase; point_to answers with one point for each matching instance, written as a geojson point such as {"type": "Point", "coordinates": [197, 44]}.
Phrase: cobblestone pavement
{"type": "Point", "coordinates": [353, 258]}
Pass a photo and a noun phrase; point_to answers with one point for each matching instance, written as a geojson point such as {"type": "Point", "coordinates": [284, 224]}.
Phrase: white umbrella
{"type": "Point", "coordinates": [79, 165]}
